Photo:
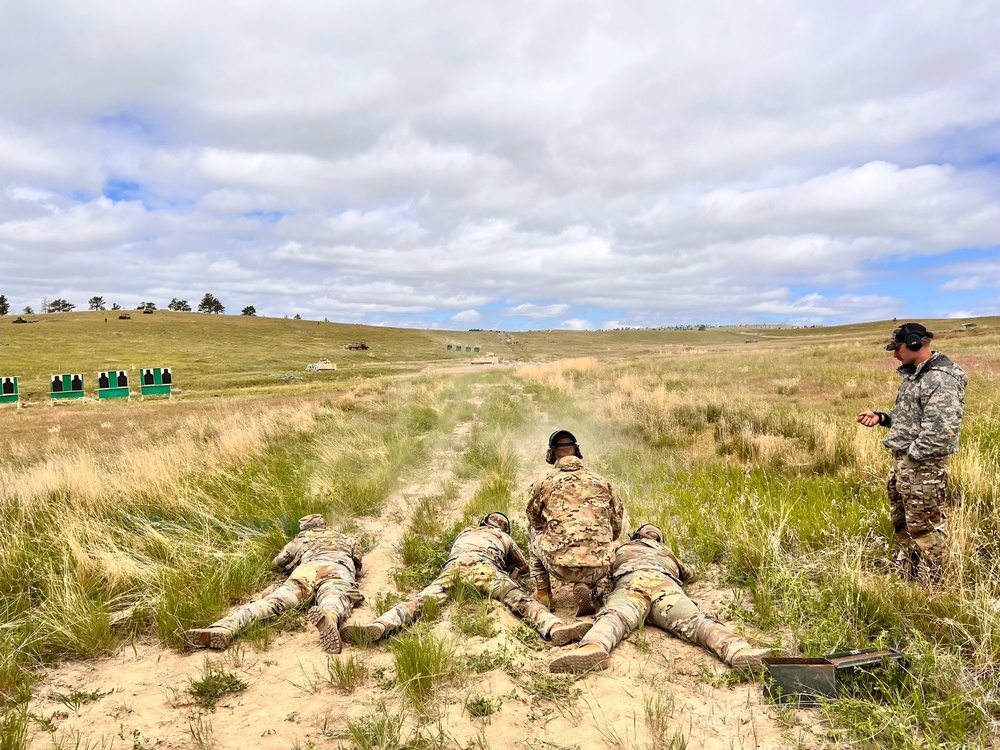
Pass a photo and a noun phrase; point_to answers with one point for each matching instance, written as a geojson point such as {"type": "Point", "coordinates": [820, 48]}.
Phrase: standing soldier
{"type": "Point", "coordinates": [483, 556]}
{"type": "Point", "coordinates": [924, 427]}
{"type": "Point", "coordinates": [574, 518]}
{"type": "Point", "coordinates": [323, 563]}
{"type": "Point", "coordinates": [648, 580]}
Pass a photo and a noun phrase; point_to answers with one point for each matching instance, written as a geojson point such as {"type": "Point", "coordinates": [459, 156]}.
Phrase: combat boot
{"type": "Point", "coordinates": [562, 634]}
{"type": "Point", "coordinates": [362, 635]}
{"type": "Point", "coordinates": [584, 599]}
{"type": "Point", "coordinates": [748, 657]}
{"type": "Point", "coordinates": [543, 597]}
{"type": "Point", "coordinates": [581, 659]}
{"type": "Point", "coordinates": [213, 637]}
{"type": "Point", "coordinates": [326, 624]}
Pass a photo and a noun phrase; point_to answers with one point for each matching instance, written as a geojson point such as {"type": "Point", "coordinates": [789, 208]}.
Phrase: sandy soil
{"type": "Point", "coordinates": [288, 704]}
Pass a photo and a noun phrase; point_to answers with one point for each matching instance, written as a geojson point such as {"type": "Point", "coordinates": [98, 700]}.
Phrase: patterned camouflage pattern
{"type": "Point", "coordinates": [927, 418]}
{"type": "Point", "coordinates": [324, 565]}
{"type": "Point", "coordinates": [924, 428]}
{"type": "Point", "coordinates": [575, 516]}
{"type": "Point", "coordinates": [648, 580]}
{"type": "Point", "coordinates": [917, 493]}
{"type": "Point", "coordinates": [481, 556]}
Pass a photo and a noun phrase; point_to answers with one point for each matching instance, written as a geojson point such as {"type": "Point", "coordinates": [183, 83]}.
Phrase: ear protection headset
{"type": "Point", "coordinates": [913, 341]}
{"type": "Point", "coordinates": [554, 442]}
{"type": "Point", "coordinates": [486, 518]}
{"type": "Point", "coordinates": [636, 536]}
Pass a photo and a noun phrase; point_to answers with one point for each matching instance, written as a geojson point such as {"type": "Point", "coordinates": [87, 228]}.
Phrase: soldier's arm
{"type": "Point", "coordinates": [356, 554]}
{"type": "Point", "coordinates": [617, 511]}
{"type": "Point", "coordinates": [534, 509]}
{"type": "Point", "coordinates": [516, 561]}
{"type": "Point", "coordinates": [941, 419]}
{"type": "Point", "coordinates": [288, 555]}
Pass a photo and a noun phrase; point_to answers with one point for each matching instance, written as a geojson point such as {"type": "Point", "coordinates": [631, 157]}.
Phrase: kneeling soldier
{"type": "Point", "coordinates": [483, 556]}
{"type": "Point", "coordinates": [324, 563]}
{"type": "Point", "coordinates": [648, 580]}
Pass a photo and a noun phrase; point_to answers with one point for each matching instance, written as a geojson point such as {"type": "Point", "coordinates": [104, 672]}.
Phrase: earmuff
{"type": "Point", "coordinates": [913, 341]}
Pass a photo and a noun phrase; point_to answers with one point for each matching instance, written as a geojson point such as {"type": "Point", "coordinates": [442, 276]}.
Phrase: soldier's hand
{"type": "Point", "coordinates": [868, 418]}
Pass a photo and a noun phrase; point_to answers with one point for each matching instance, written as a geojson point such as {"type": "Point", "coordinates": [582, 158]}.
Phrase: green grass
{"type": "Point", "coordinates": [423, 662]}
{"type": "Point", "coordinates": [214, 684]}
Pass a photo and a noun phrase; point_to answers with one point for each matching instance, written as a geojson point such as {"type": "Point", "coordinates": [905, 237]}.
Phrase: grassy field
{"type": "Point", "coordinates": [124, 521]}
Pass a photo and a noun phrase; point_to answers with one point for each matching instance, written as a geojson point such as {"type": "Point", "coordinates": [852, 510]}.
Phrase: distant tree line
{"type": "Point", "coordinates": [209, 304]}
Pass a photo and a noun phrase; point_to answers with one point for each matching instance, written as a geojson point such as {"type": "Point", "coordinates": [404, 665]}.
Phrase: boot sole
{"type": "Point", "coordinates": [209, 638]}
{"type": "Point", "coordinates": [361, 635]}
{"type": "Point", "coordinates": [578, 663]}
{"type": "Point", "coordinates": [329, 635]}
{"type": "Point", "coordinates": [584, 601]}
{"type": "Point", "coordinates": [750, 661]}
{"type": "Point", "coordinates": [571, 634]}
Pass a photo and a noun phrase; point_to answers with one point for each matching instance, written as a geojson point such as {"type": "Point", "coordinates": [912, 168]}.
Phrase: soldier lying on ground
{"type": "Point", "coordinates": [648, 580]}
{"type": "Point", "coordinates": [323, 563]}
{"type": "Point", "coordinates": [484, 557]}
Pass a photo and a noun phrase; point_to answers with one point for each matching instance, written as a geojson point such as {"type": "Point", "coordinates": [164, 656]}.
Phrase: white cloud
{"type": "Point", "coordinates": [549, 161]}
{"type": "Point", "coordinates": [576, 324]}
{"type": "Point", "coordinates": [466, 316]}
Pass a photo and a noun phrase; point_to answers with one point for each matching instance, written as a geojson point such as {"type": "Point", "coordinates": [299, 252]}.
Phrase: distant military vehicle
{"type": "Point", "coordinates": [356, 345]}
{"type": "Point", "coordinates": [323, 364]}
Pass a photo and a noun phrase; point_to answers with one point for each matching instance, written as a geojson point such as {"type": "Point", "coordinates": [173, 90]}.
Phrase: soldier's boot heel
{"type": "Point", "coordinates": [584, 599]}
{"type": "Point", "coordinates": [749, 658]}
{"type": "Point", "coordinates": [582, 659]}
{"type": "Point", "coordinates": [562, 634]}
{"type": "Point", "coordinates": [215, 638]}
{"type": "Point", "coordinates": [362, 635]}
{"type": "Point", "coordinates": [329, 633]}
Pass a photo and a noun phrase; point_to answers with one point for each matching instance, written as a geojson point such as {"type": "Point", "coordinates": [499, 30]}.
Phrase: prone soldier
{"type": "Point", "coordinates": [484, 556]}
{"type": "Point", "coordinates": [324, 564]}
{"type": "Point", "coordinates": [648, 578]}
{"type": "Point", "coordinates": [924, 427]}
{"type": "Point", "coordinates": [574, 518]}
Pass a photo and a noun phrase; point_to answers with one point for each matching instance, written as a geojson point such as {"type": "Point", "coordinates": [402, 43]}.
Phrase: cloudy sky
{"type": "Point", "coordinates": [505, 165]}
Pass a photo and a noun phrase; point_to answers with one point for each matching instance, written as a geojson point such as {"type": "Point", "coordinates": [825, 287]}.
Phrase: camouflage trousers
{"type": "Point", "coordinates": [487, 579]}
{"type": "Point", "coordinates": [542, 568]}
{"type": "Point", "coordinates": [656, 597]}
{"type": "Point", "coordinates": [916, 507]}
{"type": "Point", "coordinates": [331, 583]}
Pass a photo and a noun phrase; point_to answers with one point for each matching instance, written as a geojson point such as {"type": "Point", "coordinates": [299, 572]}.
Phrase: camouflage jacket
{"type": "Point", "coordinates": [320, 545]}
{"type": "Point", "coordinates": [577, 513]}
{"type": "Point", "coordinates": [490, 544]}
{"type": "Point", "coordinates": [927, 417]}
{"type": "Point", "coordinates": [648, 555]}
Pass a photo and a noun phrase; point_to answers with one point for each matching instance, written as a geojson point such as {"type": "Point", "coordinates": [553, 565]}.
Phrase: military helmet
{"type": "Point", "coordinates": [505, 528]}
{"type": "Point", "coordinates": [561, 439]}
{"type": "Point", "coordinates": [648, 531]}
{"type": "Point", "coordinates": [312, 521]}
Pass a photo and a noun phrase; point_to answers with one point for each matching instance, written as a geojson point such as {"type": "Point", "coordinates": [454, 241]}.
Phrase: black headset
{"type": "Point", "coordinates": [913, 341]}
{"type": "Point", "coordinates": [495, 513]}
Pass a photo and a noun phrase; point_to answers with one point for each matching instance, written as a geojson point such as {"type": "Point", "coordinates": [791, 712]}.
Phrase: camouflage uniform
{"type": "Point", "coordinates": [324, 565]}
{"type": "Point", "coordinates": [648, 580]}
{"type": "Point", "coordinates": [574, 518]}
{"type": "Point", "coordinates": [480, 556]}
{"type": "Point", "coordinates": [924, 428]}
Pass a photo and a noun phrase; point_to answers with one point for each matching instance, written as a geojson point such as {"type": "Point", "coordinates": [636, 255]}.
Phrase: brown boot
{"type": "Point", "coordinates": [329, 634]}
{"type": "Point", "coordinates": [581, 659]}
{"type": "Point", "coordinates": [362, 635]}
{"type": "Point", "coordinates": [584, 599]}
{"type": "Point", "coordinates": [749, 658]}
{"type": "Point", "coordinates": [214, 637]}
{"type": "Point", "coordinates": [562, 634]}
{"type": "Point", "coordinates": [543, 597]}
